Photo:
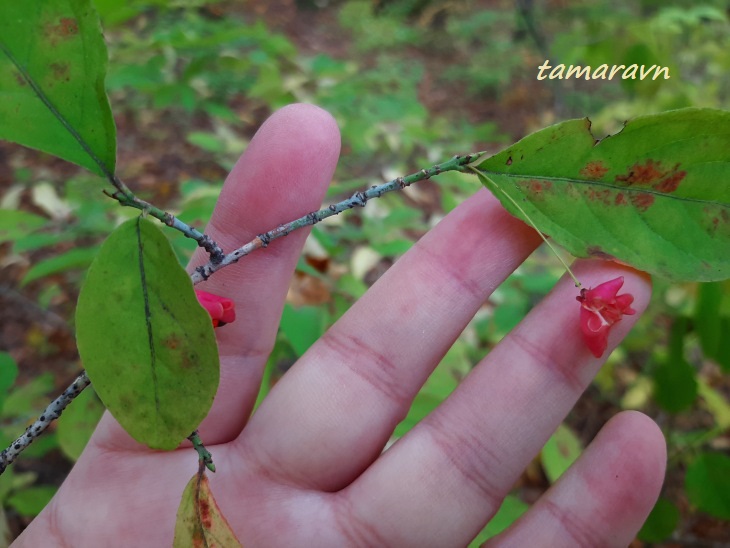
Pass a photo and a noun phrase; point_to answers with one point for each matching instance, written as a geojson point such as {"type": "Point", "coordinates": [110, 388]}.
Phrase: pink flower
{"type": "Point", "coordinates": [221, 310]}
{"type": "Point", "coordinates": [601, 307]}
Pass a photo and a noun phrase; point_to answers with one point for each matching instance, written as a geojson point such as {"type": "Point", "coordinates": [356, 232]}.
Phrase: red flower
{"type": "Point", "coordinates": [601, 307]}
{"type": "Point", "coordinates": [221, 310]}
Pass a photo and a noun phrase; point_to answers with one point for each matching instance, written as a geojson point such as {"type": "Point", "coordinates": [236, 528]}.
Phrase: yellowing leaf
{"type": "Point", "coordinates": [200, 522]}
{"type": "Point", "coordinates": [146, 343]}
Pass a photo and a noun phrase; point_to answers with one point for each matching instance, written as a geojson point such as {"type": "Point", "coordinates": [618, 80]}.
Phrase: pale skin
{"type": "Point", "coordinates": [306, 469]}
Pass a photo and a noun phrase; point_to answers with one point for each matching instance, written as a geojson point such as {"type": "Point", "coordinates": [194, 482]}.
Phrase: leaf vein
{"type": "Point", "coordinates": [611, 186]}
{"type": "Point", "coordinates": [147, 314]}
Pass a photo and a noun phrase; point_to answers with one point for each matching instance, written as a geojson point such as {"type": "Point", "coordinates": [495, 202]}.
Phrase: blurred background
{"type": "Point", "coordinates": [411, 83]}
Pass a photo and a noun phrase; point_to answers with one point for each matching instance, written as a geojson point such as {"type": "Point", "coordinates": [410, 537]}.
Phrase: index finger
{"type": "Point", "coordinates": [282, 175]}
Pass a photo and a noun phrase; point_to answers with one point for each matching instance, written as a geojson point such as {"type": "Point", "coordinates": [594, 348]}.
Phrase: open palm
{"type": "Point", "coordinates": [307, 469]}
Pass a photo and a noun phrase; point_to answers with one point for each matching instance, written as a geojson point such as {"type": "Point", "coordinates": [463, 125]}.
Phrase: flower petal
{"type": "Point", "coordinates": [221, 309]}
{"type": "Point", "coordinates": [601, 308]}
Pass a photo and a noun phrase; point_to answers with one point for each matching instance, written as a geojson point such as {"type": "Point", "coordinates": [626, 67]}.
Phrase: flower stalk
{"type": "Point", "coordinates": [487, 181]}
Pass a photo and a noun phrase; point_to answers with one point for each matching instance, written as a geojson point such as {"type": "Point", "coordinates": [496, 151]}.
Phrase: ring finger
{"type": "Point", "coordinates": [455, 467]}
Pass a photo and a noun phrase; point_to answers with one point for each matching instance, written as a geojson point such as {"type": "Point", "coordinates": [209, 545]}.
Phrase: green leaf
{"type": "Point", "coordinates": [8, 374]}
{"type": "Point", "coordinates": [78, 422]}
{"type": "Point", "coordinates": [675, 385]}
{"type": "Point", "coordinates": [17, 224]}
{"type": "Point", "coordinates": [52, 67]}
{"type": "Point", "coordinates": [560, 451]}
{"type": "Point", "coordinates": [655, 196]}
{"type": "Point", "coordinates": [716, 404]}
{"type": "Point", "coordinates": [32, 242]}
{"type": "Point", "coordinates": [30, 501]}
{"type": "Point", "coordinates": [711, 321]}
{"type": "Point", "coordinates": [661, 522]}
{"type": "Point", "coordinates": [41, 446]}
{"type": "Point", "coordinates": [266, 380]}
{"type": "Point", "coordinates": [722, 354]}
{"type": "Point", "coordinates": [422, 405]}
{"type": "Point", "coordinates": [708, 484]}
{"type": "Point", "coordinates": [146, 343]}
{"type": "Point", "coordinates": [28, 399]}
{"type": "Point", "coordinates": [707, 316]}
{"type": "Point", "coordinates": [392, 248]}
{"type": "Point", "coordinates": [302, 326]}
{"type": "Point", "coordinates": [442, 382]}
{"type": "Point", "coordinates": [510, 511]}
{"type": "Point", "coordinates": [76, 258]}
{"type": "Point", "coordinates": [207, 141]}
{"type": "Point", "coordinates": [352, 286]}
{"type": "Point", "coordinates": [10, 481]}
{"type": "Point", "coordinates": [115, 12]}
{"type": "Point", "coordinates": [508, 314]}
{"type": "Point", "coordinates": [675, 380]}
{"type": "Point", "coordinates": [200, 521]}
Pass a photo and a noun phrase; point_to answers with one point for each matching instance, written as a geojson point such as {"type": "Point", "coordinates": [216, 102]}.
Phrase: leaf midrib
{"type": "Point", "coordinates": [55, 112]}
{"type": "Point", "coordinates": [606, 185]}
{"type": "Point", "coordinates": [147, 315]}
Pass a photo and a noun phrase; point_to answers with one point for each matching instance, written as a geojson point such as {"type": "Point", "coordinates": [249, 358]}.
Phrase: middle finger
{"type": "Point", "coordinates": [332, 413]}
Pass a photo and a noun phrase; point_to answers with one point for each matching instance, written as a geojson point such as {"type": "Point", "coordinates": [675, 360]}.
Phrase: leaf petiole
{"type": "Point", "coordinates": [493, 186]}
{"type": "Point", "coordinates": [205, 457]}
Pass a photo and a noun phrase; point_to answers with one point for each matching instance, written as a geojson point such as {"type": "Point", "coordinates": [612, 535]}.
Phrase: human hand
{"type": "Point", "coordinates": [307, 468]}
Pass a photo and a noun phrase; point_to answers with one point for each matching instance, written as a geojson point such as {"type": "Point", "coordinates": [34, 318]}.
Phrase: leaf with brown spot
{"type": "Point", "coordinates": [52, 68]}
{"type": "Point", "coordinates": [656, 195]}
{"type": "Point", "coordinates": [594, 170]}
{"type": "Point", "coordinates": [200, 522]}
{"type": "Point", "coordinates": [145, 341]}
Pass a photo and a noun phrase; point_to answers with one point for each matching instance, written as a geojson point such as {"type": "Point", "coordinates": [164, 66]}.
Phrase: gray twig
{"type": "Point", "coordinates": [126, 197]}
{"type": "Point", "coordinates": [218, 260]}
{"type": "Point", "coordinates": [359, 199]}
{"type": "Point", "coordinates": [51, 413]}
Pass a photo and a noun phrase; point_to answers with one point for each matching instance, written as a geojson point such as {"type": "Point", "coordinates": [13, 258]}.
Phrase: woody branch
{"type": "Point", "coordinates": [219, 260]}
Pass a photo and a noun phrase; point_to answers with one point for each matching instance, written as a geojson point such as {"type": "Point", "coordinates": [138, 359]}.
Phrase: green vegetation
{"type": "Point", "coordinates": [410, 83]}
